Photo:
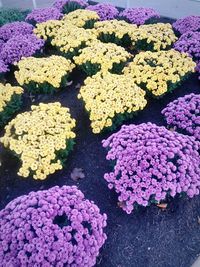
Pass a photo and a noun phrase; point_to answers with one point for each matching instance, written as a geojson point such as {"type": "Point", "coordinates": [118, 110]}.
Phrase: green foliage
{"type": "Point", "coordinates": [71, 6]}
{"type": "Point", "coordinates": [11, 15]}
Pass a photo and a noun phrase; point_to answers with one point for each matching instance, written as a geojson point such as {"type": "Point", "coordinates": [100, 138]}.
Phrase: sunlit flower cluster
{"type": "Point", "coordinates": [110, 99]}
{"type": "Point", "coordinates": [42, 71]}
{"type": "Point", "coordinates": [150, 163]}
{"type": "Point", "coordinates": [54, 227]}
{"type": "Point", "coordinates": [160, 72]}
{"type": "Point", "coordinates": [82, 18]}
{"type": "Point", "coordinates": [184, 114]}
{"type": "Point", "coordinates": [105, 11]}
{"type": "Point", "coordinates": [190, 23]}
{"type": "Point", "coordinates": [66, 6]}
{"type": "Point", "coordinates": [41, 138]}
{"type": "Point", "coordinates": [108, 57]}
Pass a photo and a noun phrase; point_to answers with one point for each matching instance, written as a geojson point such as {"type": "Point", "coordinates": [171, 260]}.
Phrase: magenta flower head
{"type": "Point", "coordinates": [151, 162]}
{"type": "Point", "coordinates": [66, 6]}
{"type": "Point", "coordinates": [184, 115]}
{"type": "Point", "coordinates": [105, 11]}
{"type": "Point", "coordinates": [139, 15]}
{"type": "Point", "coordinates": [55, 227]}
{"type": "Point", "coordinates": [190, 23]}
{"type": "Point", "coordinates": [43, 14]}
{"type": "Point", "coordinates": [21, 46]}
{"type": "Point", "coordinates": [10, 30]}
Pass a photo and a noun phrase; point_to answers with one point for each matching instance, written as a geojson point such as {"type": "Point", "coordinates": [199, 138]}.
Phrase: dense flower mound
{"type": "Point", "coordinates": [189, 43]}
{"type": "Point", "coordinates": [110, 99]}
{"type": "Point", "coordinates": [43, 14]}
{"type": "Point", "coordinates": [82, 18]}
{"type": "Point", "coordinates": [190, 23]}
{"type": "Point", "coordinates": [151, 162]}
{"type": "Point", "coordinates": [3, 68]}
{"type": "Point", "coordinates": [115, 31]}
{"type": "Point", "coordinates": [108, 57]}
{"type": "Point", "coordinates": [69, 39]}
{"type": "Point", "coordinates": [160, 72]}
{"type": "Point", "coordinates": [41, 138]}
{"type": "Point", "coordinates": [41, 74]}
{"type": "Point", "coordinates": [66, 6]}
{"type": "Point", "coordinates": [21, 46]}
{"type": "Point", "coordinates": [139, 15]}
{"type": "Point", "coordinates": [105, 11]}
{"type": "Point", "coordinates": [184, 114]}
{"type": "Point", "coordinates": [10, 101]}
{"type": "Point", "coordinates": [10, 30]}
{"type": "Point", "coordinates": [154, 37]}
{"type": "Point", "coordinates": [55, 227]}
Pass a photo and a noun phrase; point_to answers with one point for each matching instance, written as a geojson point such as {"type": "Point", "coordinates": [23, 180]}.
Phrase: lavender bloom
{"type": "Point", "coordinates": [152, 162]}
{"type": "Point", "coordinates": [139, 15]}
{"type": "Point", "coordinates": [190, 23]}
{"type": "Point", "coordinates": [184, 114]}
{"type": "Point", "coordinates": [55, 227]}
{"type": "Point", "coordinates": [20, 46]}
{"type": "Point", "coordinates": [105, 11]}
{"type": "Point", "coordinates": [62, 4]}
{"type": "Point", "coordinates": [10, 30]}
{"type": "Point", "coordinates": [3, 67]}
{"type": "Point", "coordinates": [43, 14]}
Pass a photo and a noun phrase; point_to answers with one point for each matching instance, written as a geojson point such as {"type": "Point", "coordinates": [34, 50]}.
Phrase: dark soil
{"type": "Point", "coordinates": [149, 237]}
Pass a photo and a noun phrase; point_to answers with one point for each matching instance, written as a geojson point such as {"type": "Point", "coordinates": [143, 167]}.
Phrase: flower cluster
{"type": "Point", "coordinates": [105, 11]}
{"type": "Point", "coordinates": [21, 46]}
{"type": "Point", "coordinates": [43, 14]}
{"type": "Point", "coordinates": [41, 138]}
{"type": "Point", "coordinates": [82, 18]}
{"type": "Point", "coordinates": [10, 30]}
{"type": "Point", "coordinates": [184, 114]}
{"type": "Point", "coordinates": [190, 23]}
{"type": "Point", "coordinates": [110, 99]}
{"type": "Point", "coordinates": [139, 15]}
{"type": "Point", "coordinates": [115, 31]}
{"type": "Point", "coordinates": [66, 6]}
{"type": "Point", "coordinates": [10, 101]}
{"type": "Point", "coordinates": [154, 37]}
{"type": "Point", "coordinates": [69, 39]}
{"type": "Point", "coordinates": [3, 68]}
{"type": "Point", "coordinates": [151, 162]}
{"type": "Point", "coordinates": [160, 72]}
{"type": "Point", "coordinates": [37, 73]}
{"type": "Point", "coordinates": [108, 57]}
{"type": "Point", "coordinates": [55, 227]}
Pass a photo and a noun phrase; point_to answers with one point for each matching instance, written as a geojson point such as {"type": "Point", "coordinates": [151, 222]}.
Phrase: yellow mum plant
{"type": "Point", "coordinates": [10, 101]}
{"type": "Point", "coordinates": [82, 18]}
{"type": "Point", "coordinates": [160, 72]}
{"type": "Point", "coordinates": [43, 75]}
{"type": "Point", "coordinates": [110, 99]}
{"type": "Point", "coordinates": [102, 57]}
{"type": "Point", "coordinates": [115, 31]}
{"type": "Point", "coordinates": [41, 138]}
{"type": "Point", "coordinates": [47, 30]}
{"type": "Point", "coordinates": [70, 39]}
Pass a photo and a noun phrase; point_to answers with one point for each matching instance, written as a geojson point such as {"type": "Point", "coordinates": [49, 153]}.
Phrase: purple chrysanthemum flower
{"type": "Point", "coordinates": [10, 30]}
{"type": "Point", "coordinates": [43, 14]}
{"type": "Point", "coordinates": [152, 162]}
{"type": "Point", "coordinates": [3, 67]}
{"type": "Point", "coordinates": [21, 46]}
{"type": "Point", "coordinates": [55, 227]}
{"type": "Point", "coordinates": [105, 11]}
{"type": "Point", "coordinates": [61, 4]}
{"type": "Point", "coordinates": [190, 23]}
{"type": "Point", "coordinates": [139, 15]}
{"type": "Point", "coordinates": [184, 115]}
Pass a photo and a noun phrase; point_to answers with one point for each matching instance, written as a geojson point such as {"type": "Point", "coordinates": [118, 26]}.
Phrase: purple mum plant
{"type": "Point", "coordinates": [43, 14]}
{"type": "Point", "coordinates": [105, 11]}
{"type": "Point", "coordinates": [21, 46]}
{"type": "Point", "coordinates": [150, 163]}
{"type": "Point", "coordinates": [66, 6]}
{"type": "Point", "coordinates": [55, 227]}
{"type": "Point", "coordinates": [184, 115]}
{"type": "Point", "coordinates": [10, 30]}
{"type": "Point", "coordinates": [139, 15]}
{"type": "Point", "coordinates": [190, 23]}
